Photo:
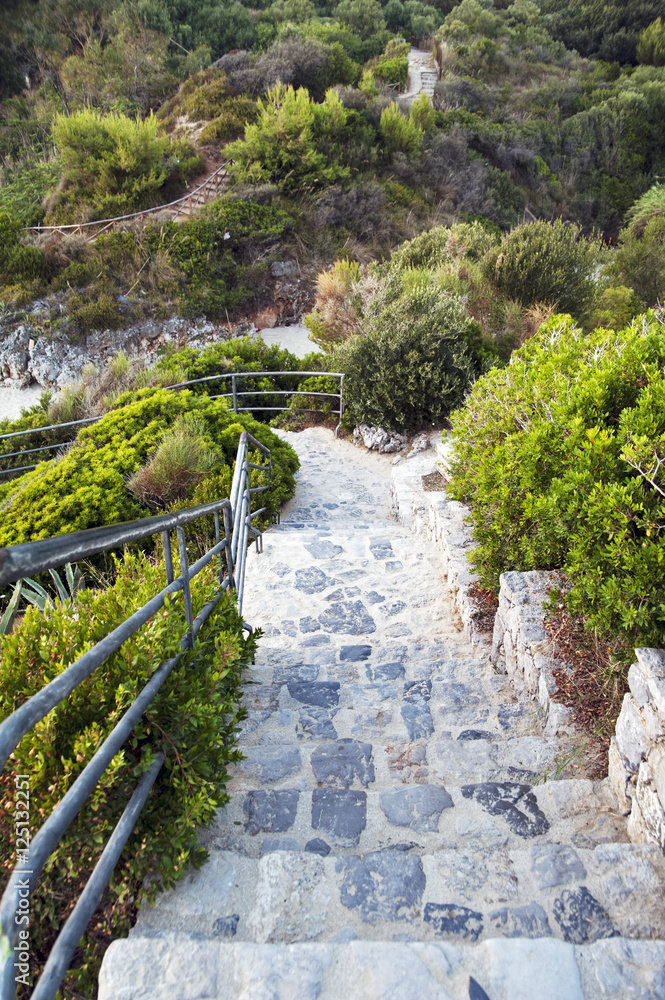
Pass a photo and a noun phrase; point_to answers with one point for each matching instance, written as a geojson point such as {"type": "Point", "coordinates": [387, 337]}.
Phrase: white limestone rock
{"type": "Point", "coordinates": [378, 439]}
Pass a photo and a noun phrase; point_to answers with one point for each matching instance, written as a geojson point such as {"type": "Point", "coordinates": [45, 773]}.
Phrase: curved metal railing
{"type": "Point", "coordinates": [236, 396]}
{"type": "Point", "coordinates": [20, 561]}
{"type": "Point", "coordinates": [78, 227]}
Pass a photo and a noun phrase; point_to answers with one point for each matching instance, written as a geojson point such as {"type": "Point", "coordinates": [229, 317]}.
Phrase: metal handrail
{"type": "Point", "coordinates": [234, 395]}
{"type": "Point", "coordinates": [78, 226]}
{"type": "Point", "coordinates": [20, 561]}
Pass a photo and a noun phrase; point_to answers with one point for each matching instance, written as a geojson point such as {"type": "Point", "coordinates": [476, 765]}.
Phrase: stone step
{"type": "Point", "coordinates": [178, 966]}
{"type": "Point", "coordinates": [349, 762]}
{"type": "Point", "coordinates": [452, 894]}
{"type": "Point", "coordinates": [389, 700]}
{"type": "Point", "coordinates": [425, 817]}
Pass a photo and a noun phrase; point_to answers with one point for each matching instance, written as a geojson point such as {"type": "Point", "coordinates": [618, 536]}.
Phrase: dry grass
{"type": "Point", "coordinates": [593, 686]}
{"type": "Point", "coordinates": [486, 608]}
{"type": "Point", "coordinates": [434, 482]}
{"type": "Point", "coordinates": [180, 462]}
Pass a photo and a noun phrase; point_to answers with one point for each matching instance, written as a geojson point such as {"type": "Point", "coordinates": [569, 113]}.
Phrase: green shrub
{"type": "Point", "coordinates": [546, 262]}
{"type": "Point", "coordinates": [651, 203]}
{"type": "Point", "coordinates": [87, 486]}
{"type": "Point", "coordinates": [400, 134]}
{"type": "Point", "coordinates": [23, 194]}
{"type": "Point", "coordinates": [422, 113]}
{"type": "Point", "coordinates": [115, 165]}
{"type": "Point", "coordinates": [418, 357]}
{"type": "Point", "coordinates": [615, 308]}
{"type": "Point", "coordinates": [394, 70]}
{"type": "Point", "coordinates": [193, 719]}
{"type": "Point", "coordinates": [94, 312]}
{"type": "Point", "coordinates": [230, 121]}
{"type": "Point", "coordinates": [27, 263]}
{"type": "Point", "coordinates": [639, 261]}
{"type": "Point", "coordinates": [282, 146]}
{"type": "Point", "coordinates": [558, 455]}
{"type": "Point", "coordinates": [440, 245]}
{"type": "Point", "coordinates": [651, 44]}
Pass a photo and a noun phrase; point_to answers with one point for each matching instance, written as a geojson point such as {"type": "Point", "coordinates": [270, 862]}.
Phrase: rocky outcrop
{"type": "Point", "coordinates": [52, 359]}
{"type": "Point", "coordinates": [28, 355]}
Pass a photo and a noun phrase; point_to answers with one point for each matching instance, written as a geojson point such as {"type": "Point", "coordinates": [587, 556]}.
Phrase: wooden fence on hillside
{"type": "Point", "coordinates": [181, 208]}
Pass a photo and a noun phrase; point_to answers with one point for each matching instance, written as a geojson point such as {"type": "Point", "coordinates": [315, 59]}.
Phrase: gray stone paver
{"type": "Point", "coordinates": [396, 828]}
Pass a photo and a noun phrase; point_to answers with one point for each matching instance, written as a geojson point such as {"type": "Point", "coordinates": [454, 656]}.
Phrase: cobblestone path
{"type": "Point", "coordinates": [397, 829]}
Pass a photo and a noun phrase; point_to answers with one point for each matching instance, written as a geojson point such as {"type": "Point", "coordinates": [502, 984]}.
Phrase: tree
{"type": "Point", "coordinates": [651, 46]}
{"type": "Point", "coordinates": [365, 17]}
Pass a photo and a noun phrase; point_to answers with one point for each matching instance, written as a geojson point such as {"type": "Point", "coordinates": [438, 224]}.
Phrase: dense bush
{"type": "Point", "coordinates": [639, 261]}
{"type": "Point", "coordinates": [605, 29]}
{"type": "Point", "coordinates": [282, 147]}
{"type": "Point", "coordinates": [418, 356]}
{"type": "Point", "coordinates": [87, 486]}
{"type": "Point", "coordinates": [560, 456]}
{"type": "Point", "coordinates": [546, 262]}
{"type": "Point", "coordinates": [193, 719]}
{"type": "Point", "coordinates": [113, 165]}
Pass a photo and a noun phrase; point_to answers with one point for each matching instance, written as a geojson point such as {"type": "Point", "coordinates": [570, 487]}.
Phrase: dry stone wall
{"type": "Point", "coordinates": [521, 648]}
{"type": "Point", "coordinates": [637, 752]}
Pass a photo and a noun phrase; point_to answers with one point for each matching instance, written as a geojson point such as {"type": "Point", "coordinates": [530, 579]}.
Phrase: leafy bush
{"type": "Point", "coordinates": [114, 165]}
{"type": "Point", "coordinates": [282, 146]}
{"type": "Point", "coordinates": [560, 456]}
{"type": "Point", "coordinates": [87, 486]}
{"type": "Point", "coordinates": [639, 261]}
{"type": "Point", "coordinates": [193, 719]}
{"type": "Point", "coordinates": [418, 356]}
{"type": "Point", "coordinates": [546, 262]}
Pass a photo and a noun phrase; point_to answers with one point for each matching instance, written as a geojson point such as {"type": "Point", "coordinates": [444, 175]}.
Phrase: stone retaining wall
{"type": "Point", "coordinates": [637, 751]}
{"type": "Point", "coordinates": [521, 648]}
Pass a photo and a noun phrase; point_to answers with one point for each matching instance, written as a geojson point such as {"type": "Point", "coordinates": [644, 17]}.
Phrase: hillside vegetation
{"type": "Point", "coordinates": [327, 161]}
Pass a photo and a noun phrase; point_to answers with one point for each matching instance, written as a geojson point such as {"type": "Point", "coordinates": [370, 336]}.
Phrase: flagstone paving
{"type": "Point", "coordinates": [398, 827]}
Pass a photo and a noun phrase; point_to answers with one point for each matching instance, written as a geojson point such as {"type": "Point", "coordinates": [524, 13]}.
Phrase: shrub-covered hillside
{"type": "Point", "coordinates": [542, 111]}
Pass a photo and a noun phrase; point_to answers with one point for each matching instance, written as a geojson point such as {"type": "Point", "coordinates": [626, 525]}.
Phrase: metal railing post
{"type": "Point", "coordinates": [168, 556]}
{"type": "Point", "coordinates": [235, 394]}
{"type": "Point", "coordinates": [341, 404]}
{"type": "Point", "coordinates": [228, 534]}
{"type": "Point", "coordinates": [217, 541]}
{"type": "Point", "coordinates": [186, 591]}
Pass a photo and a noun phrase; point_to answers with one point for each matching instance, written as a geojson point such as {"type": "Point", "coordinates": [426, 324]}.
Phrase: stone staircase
{"type": "Point", "coordinates": [423, 76]}
{"type": "Point", "coordinates": [399, 828]}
